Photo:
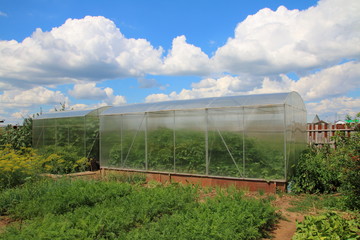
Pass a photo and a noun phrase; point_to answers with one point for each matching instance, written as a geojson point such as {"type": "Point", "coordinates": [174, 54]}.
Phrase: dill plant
{"type": "Point", "coordinates": [18, 166]}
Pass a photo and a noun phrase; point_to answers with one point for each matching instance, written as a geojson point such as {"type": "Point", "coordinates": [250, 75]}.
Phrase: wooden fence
{"type": "Point", "coordinates": [321, 133]}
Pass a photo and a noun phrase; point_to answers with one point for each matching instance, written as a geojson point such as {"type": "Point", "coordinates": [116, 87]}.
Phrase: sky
{"type": "Point", "coordinates": [87, 54]}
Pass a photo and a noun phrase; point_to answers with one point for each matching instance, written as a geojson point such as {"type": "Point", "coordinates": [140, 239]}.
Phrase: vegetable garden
{"type": "Point", "coordinates": [78, 209]}
{"type": "Point", "coordinates": [126, 207]}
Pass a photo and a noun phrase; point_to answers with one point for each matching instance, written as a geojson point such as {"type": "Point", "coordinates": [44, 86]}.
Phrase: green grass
{"type": "Point", "coordinates": [312, 202]}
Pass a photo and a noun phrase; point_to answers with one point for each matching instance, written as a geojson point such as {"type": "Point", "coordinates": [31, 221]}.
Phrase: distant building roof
{"type": "Point", "coordinates": [321, 122]}
{"type": "Point", "coordinates": [316, 119]}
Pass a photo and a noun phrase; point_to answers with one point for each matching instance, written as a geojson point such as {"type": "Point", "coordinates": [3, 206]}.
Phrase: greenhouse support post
{"type": "Point", "coordinates": [146, 143]}
{"type": "Point", "coordinates": [207, 142]}
{"type": "Point", "coordinates": [285, 153]}
{"type": "Point", "coordinates": [243, 138]}
{"type": "Point", "coordinates": [174, 140]}
{"type": "Point", "coordinates": [121, 139]}
{"type": "Point", "coordinates": [84, 128]}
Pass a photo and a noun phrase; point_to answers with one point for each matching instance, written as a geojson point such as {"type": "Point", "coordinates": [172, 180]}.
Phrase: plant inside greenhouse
{"type": "Point", "coordinates": [72, 134]}
{"type": "Point", "coordinates": [252, 136]}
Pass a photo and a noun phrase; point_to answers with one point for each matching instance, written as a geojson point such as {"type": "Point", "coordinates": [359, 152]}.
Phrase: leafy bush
{"type": "Point", "coordinates": [327, 170]}
{"type": "Point", "coordinates": [348, 154]}
{"type": "Point", "coordinates": [327, 226]}
{"type": "Point", "coordinates": [316, 172]}
{"type": "Point", "coordinates": [17, 137]}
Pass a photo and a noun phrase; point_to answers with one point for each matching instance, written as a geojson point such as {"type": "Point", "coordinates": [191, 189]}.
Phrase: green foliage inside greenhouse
{"type": "Point", "coordinates": [226, 154]}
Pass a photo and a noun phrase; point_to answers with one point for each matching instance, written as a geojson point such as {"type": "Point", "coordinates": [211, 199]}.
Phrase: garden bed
{"type": "Point", "coordinates": [70, 208]}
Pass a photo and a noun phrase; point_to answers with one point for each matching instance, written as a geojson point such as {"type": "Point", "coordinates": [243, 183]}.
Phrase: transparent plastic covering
{"type": "Point", "coordinates": [216, 102]}
{"type": "Point", "coordinates": [69, 114]}
{"type": "Point", "coordinates": [73, 132]}
{"type": "Point", "coordinates": [252, 136]}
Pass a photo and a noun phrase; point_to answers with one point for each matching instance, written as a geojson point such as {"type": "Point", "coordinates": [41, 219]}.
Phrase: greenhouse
{"type": "Point", "coordinates": [250, 136]}
{"type": "Point", "coordinates": [75, 131]}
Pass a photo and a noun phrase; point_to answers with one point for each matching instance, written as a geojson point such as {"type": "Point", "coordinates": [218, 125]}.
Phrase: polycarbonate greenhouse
{"type": "Point", "coordinates": [76, 131]}
{"type": "Point", "coordinates": [251, 136]}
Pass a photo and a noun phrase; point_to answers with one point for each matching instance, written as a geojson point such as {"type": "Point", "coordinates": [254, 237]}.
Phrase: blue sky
{"type": "Point", "coordinates": [95, 53]}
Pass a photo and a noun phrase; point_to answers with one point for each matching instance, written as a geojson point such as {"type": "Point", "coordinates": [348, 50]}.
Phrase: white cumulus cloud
{"type": "Point", "coordinates": [91, 49]}
{"type": "Point", "coordinates": [31, 97]}
{"type": "Point", "coordinates": [330, 82]}
{"type": "Point", "coordinates": [266, 43]}
{"type": "Point", "coordinates": [87, 91]}
{"type": "Point", "coordinates": [281, 41]}
{"type": "Point", "coordinates": [208, 87]}
{"type": "Point", "coordinates": [323, 91]}
{"type": "Point", "coordinates": [319, 44]}
{"type": "Point", "coordinates": [112, 99]}
{"type": "Point", "coordinates": [91, 91]}
{"type": "Point", "coordinates": [340, 105]}
{"type": "Point", "coordinates": [185, 59]}
{"type": "Point", "coordinates": [20, 115]}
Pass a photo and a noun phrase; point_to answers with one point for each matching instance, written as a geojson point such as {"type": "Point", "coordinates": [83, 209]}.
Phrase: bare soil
{"type": "Point", "coordinates": [286, 227]}
{"type": "Point", "coordinates": [4, 221]}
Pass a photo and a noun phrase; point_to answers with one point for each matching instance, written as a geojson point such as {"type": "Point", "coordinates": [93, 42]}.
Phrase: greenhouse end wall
{"type": "Point", "coordinates": [75, 132]}
{"type": "Point", "coordinates": [253, 137]}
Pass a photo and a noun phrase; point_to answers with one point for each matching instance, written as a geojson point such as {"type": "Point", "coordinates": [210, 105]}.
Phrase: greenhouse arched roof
{"type": "Point", "coordinates": [290, 98]}
{"type": "Point", "coordinates": [67, 114]}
